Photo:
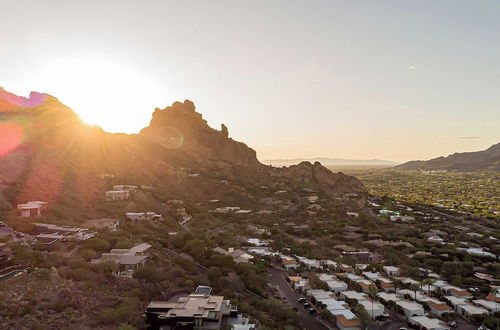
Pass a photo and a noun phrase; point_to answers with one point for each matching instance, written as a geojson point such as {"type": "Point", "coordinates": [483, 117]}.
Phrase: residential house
{"type": "Point", "coordinates": [468, 310]}
{"type": "Point", "coordinates": [67, 232]}
{"type": "Point", "coordinates": [143, 216]}
{"type": "Point", "coordinates": [410, 308]}
{"type": "Point", "coordinates": [427, 323]}
{"type": "Point", "coordinates": [365, 285]}
{"type": "Point", "coordinates": [289, 263]}
{"type": "Point", "coordinates": [492, 306]}
{"type": "Point", "coordinates": [438, 309]}
{"type": "Point", "coordinates": [343, 323]}
{"type": "Point", "coordinates": [435, 240]}
{"type": "Point", "coordinates": [386, 284]}
{"type": "Point", "coordinates": [333, 283]}
{"type": "Point", "coordinates": [401, 218]}
{"type": "Point", "coordinates": [374, 309]}
{"type": "Point", "coordinates": [455, 302]}
{"type": "Point", "coordinates": [346, 268]}
{"type": "Point", "coordinates": [111, 224]}
{"type": "Point", "coordinates": [391, 270]}
{"type": "Point", "coordinates": [32, 209]}
{"type": "Point", "coordinates": [309, 263]}
{"type": "Point", "coordinates": [127, 259]}
{"type": "Point", "coordinates": [117, 195]}
{"type": "Point", "coordinates": [388, 297]}
{"type": "Point", "coordinates": [126, 187]}
{"type": "Point", "coordinates": [353, 295]}
{"type": "Point", "coordinates": [239, 256]}
{"type": "Point", "coordinates": [199, 310]}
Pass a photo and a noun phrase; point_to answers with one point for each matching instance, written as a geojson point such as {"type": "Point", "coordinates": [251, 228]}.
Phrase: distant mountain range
{"type": "Point", "coordinates": [485, 160]}
{"type": "Point", "coordinates": [325, 161]}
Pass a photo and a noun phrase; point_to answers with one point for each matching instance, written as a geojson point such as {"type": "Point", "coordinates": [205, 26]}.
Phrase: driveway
{"type": "Point", "coordinates": [307, 321]}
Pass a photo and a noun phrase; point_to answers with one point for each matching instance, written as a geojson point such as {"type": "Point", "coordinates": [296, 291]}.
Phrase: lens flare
{"type": "Point", "coordinates": [11, 137]}
{"type": "Point", "coordinates": [169, 137]}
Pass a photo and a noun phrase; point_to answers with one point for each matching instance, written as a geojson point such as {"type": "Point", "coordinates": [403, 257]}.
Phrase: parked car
{"type": "Point", "coordinates": [307, 305]}
{"type": "Point", "coordinates": [453, 324]}
{"type": "Point", "coordinates": [301, 300]}
{"type": "Point", "coordinates": [311, 311]}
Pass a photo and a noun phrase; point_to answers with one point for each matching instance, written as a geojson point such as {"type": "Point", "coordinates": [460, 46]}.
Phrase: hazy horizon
{"type": "Point", "coordinates": [359, 80]}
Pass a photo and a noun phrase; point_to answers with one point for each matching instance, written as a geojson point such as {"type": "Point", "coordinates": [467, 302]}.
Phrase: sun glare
{"type": "Point", "coordinates": [105, 93]}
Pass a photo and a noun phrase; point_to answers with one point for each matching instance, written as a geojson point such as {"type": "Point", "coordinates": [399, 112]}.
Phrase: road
{"type": "Point", "coordinates": [306, 320]}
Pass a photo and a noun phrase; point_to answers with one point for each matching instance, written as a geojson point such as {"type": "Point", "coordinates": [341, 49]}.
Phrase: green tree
{"type": "Point", "coordinates": [363, 315]}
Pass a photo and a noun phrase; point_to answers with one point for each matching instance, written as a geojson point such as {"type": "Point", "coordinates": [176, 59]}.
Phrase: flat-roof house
{"type": "Point", "coordinates": [309, 263]}
{"type": "Point", "coordinates": [45, 241]}
{"type": "Point", "coordinates": [459, 293]}
{"type": "Point", "coordinates": [111, 224]}
{"type": "Point", "coordinates": [455, 302]}
{"type": "Point", "coordinates": [143, 216]}
{"type": "Point", "coordinates": [127, 259]}
{"type": "Point", "coordinates": [435, 240]}
{"type": "Point", "coordinates": [391, 270]}
{"type": "Point", "coordinates": [117, 195]}
{"type": "Point", "coordinates": [425, 322]}
{"type": "Point", "coordinates": [411, 308]}
{"type": "Point", "coordinates": [373, 308]}
{"type": "Point", "coordinates": [196, 311]}
{"type": "Point", "coordinates": [289, 264]}
{"type": "Point", "coordinates": [336, 286]}
{"type": "Point", "coordinates": [388, 297]}
{"type": "Point", "coordinates": [238, 255]}
{"type": "Point", "coordinates": [32, 209]}
{"type": "Point", "coordinates": [344, 323]}
{"type": "Point", "coordinates": [492, 306]}
{"type": "Point", "coordinates": [67, 231]}
{"type": "Point", "coordinates": [386, 284]}
{"type": "Point", "coordinates": [127, 187]}
{"type": "Point", "coordinates": [346, 268]}
{"type": "Point", "coordinates": [333, 283]}
{"type": "Point", "coordinates": [438, 309]}
{"type": "Point", "coordinates": [353, 295]}
{"type": "Point", "coordinates": [372, 276]}
{"type": "Point", "coordinates": [469, 310]}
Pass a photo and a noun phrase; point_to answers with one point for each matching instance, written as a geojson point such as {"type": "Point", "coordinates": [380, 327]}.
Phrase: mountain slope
{"type": "Point", "coordinates": [57, 158]}
{"type": "Point", "coordinates": [326, 161]}
{"type": "Point", "coordinates": [485, 160]}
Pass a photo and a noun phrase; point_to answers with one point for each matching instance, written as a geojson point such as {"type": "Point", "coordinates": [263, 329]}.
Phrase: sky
{"type": "Point", "coordinates": [394, 80]}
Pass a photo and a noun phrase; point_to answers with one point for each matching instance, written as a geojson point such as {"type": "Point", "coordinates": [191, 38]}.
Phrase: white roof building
{"type": "Point", "coordinates": [490, 305]}
{"type": "Point", "coordinates": [388, 296]}
{"type": "Point", "coordinates": [373, 308]}
{"type": "Point", "coordinates": [372, 276]}
{"type": "Point", "coordinates": [353, 277]}
{"type": "Point", "coordinates": [358, 296]}
{"type": "Point", "coordinates": [391, 270]}
{"type": "Point", "coordinates": [469, 310]}
{"type": "Point", "coordinates": [425, 322]}
{"type": "Point", "coordinates": [455, 301]}
{"type": "Point", "coordinates": [411, 308]}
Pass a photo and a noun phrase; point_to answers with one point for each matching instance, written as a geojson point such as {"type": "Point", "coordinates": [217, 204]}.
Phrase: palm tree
{"type": "Point", "coordinates": [372, 292]}
{"type": "Point", "coordinates": [415, 288]}
{"type": "Point", "coordinates": [427, 282]}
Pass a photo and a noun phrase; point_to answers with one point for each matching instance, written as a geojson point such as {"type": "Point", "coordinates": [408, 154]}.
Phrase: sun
{"type": "Point", "coordinates": [102, 92]}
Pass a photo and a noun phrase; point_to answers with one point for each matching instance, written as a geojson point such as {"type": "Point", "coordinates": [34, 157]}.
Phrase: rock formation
{"type": "Point", "coordinates": [56, 148]}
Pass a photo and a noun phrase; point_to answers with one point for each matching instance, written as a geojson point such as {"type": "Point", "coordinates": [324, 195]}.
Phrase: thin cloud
{"type": "Point", "coordinates": [469, 137]}
{"type": "Point", "coordinates": [412, 67]}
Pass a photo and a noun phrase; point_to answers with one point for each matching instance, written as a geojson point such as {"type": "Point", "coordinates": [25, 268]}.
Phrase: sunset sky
{"type": "Point", "coordinates": [394, 80]}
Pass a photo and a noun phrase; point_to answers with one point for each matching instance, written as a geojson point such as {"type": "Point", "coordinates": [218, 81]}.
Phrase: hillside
{"type": "Point", "coordinates": [326, 161]}
{"type": "Point", "coordinates": [48, 154]}
{"type": "Point", "coordinates": [485, 160]}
